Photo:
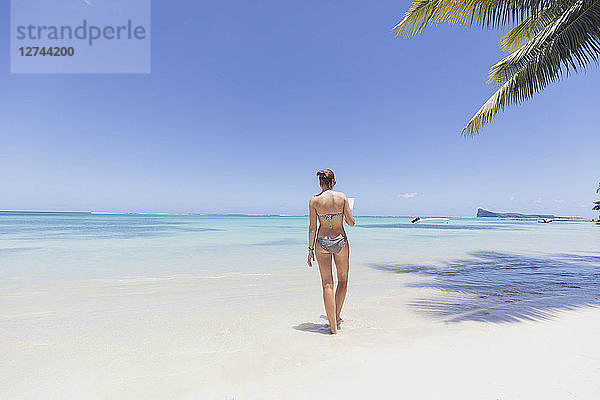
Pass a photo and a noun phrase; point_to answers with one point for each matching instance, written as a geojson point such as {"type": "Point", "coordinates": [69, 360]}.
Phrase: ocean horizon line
{"type": "Point", "coordinates": [160, 213]}
{"type": "Point", "coordinates": [91, 212]}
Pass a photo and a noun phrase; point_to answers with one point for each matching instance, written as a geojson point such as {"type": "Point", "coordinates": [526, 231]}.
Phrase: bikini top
{"type": "Point", "coordinates": [329, 217]}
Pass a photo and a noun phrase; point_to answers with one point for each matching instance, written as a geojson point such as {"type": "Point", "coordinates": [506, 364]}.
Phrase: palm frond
{"type": "Point", "coordinates": [483, 13]}
{"type": "Point", "coordinates": [529, 27]}
{"type": "Point", "coordinates": [574, 26]}
{"type": "Point", "coordinates": [571, 42]}
{"type": "Point", "coordinates": [597, 206]}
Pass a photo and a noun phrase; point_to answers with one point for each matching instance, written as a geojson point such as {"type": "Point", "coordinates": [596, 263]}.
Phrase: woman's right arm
{"type": "Point", "coordinates": [312, 231]}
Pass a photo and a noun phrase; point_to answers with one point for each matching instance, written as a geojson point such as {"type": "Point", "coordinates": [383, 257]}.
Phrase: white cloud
{"type": "Point", "coordinates": [407, 195]}
{"type": "Point", "coordinates": [559, 201]}
{"type": "Point", "coordinates": [538, 201]}
{"type": "Point", "coordinates": [511, 198]}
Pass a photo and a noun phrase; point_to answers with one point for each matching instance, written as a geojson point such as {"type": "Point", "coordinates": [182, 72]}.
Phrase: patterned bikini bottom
{"type": "Point", "coordinates": [333, 245]}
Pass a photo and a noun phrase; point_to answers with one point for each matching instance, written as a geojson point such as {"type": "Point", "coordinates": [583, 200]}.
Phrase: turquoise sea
{"type": "Point", "coordinates": [500, 270]}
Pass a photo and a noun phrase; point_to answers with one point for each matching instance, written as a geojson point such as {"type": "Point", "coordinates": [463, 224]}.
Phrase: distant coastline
{"type": "Point", "coordinates": [482, 213]}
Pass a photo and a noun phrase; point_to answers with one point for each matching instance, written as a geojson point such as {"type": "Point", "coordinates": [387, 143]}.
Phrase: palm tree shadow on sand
{"type": "Point", "coordinates": [499, 287]}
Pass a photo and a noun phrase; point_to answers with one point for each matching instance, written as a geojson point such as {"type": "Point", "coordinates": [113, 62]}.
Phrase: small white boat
{"type": "Point", "coordinates": [431, 221]}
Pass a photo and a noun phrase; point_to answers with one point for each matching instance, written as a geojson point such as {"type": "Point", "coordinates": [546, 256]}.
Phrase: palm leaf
{"type": "Point", "coordinates": [529, 27]}
{"type": "Point", "coordinates": [572, 41]}
{"type": "Point", "coordinates": [483, 13]}
{"type": "Point", "coordinates": [597, 206]}
{"type": "Point", "coordinates": [565, 29]}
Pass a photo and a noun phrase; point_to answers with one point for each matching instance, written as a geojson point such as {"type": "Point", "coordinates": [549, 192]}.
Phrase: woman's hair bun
{"type": "Point", "coordinates": [326, 177]}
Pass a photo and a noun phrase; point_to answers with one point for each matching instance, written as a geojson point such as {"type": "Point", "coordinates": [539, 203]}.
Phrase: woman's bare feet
{"type": "Point", "coordinates": [339, 323]}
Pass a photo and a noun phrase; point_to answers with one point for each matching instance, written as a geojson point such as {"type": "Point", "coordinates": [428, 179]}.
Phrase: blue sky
{"type": "Point", "coordinates": [246, 100]}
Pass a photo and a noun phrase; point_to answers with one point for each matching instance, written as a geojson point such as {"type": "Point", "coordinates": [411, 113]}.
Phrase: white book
{"type": "Point", "coordinates": [351, 202]}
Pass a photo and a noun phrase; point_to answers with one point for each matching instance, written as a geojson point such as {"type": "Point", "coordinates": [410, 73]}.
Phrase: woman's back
{"type": "Point", "coordinates": [329, 206]}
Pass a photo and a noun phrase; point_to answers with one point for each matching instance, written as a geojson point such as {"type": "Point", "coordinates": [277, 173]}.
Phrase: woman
{"type": "Point", "coordinates": [330, 208]}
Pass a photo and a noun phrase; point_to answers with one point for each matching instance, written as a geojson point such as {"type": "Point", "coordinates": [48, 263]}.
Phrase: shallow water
{"type": "Point", "coordinates": [493, 270]}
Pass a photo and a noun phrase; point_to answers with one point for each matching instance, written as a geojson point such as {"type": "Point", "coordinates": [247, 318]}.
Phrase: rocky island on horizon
{"type": "Point", "coordinates": [490, 214]}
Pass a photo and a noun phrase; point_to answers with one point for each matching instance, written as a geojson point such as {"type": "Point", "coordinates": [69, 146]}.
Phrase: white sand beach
{"type": "Point", "coordinates": [164, 344]}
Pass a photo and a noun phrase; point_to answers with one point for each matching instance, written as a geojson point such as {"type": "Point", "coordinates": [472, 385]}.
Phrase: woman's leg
{"type": "Point", "coordinates": [342, 265]}
{"type": "Point", "coordinates": [324, 261]}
